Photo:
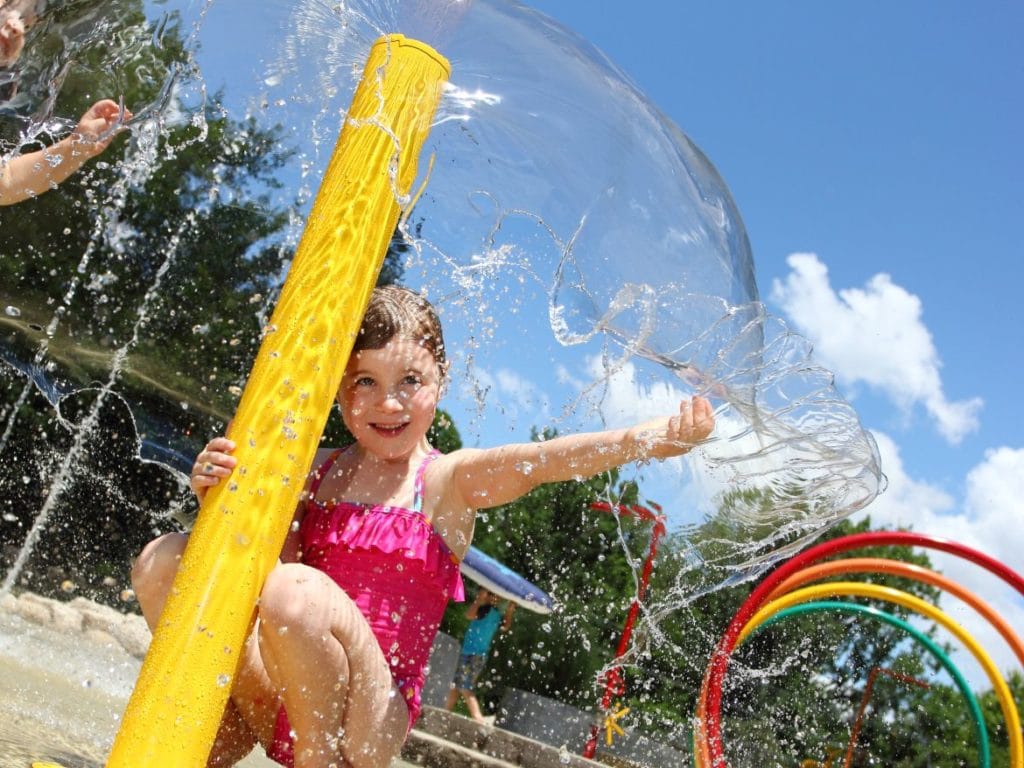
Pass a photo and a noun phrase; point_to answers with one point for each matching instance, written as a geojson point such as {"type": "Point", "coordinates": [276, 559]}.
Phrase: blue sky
{"type": "Point", "coordinates": [873, 151]}
{"type": "Point", "coordinates": [882, 143]}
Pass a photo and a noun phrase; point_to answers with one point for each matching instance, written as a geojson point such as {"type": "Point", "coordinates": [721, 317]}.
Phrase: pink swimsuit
{"type": "Point", "coordinates": [396, 568]}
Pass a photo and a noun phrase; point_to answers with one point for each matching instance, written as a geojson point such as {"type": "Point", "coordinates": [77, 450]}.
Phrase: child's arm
{"type": "Point", "coordinates": [506, 623]}
{"type": "Point", "coordinates": [33, 174]}
{"type": "Point", "coordinates": [490, 477]}
{"type": "Point", "coordinates": [12, 35]}
{"type": "Point", "coordinates": [474, 609]}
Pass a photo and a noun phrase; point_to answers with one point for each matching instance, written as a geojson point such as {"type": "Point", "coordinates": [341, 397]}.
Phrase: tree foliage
{"type": "Point", "coordinates": [793, 689]}
{"type": "Point", "coordinates": [149, 275]}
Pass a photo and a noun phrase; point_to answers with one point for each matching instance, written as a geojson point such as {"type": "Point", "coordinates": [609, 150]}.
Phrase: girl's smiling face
{"type": "Point", "coordinates": [388, 397]}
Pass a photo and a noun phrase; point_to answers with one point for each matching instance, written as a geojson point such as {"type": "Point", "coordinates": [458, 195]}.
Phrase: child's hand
{"type": "Point", "coordinates": [678, 434]}
{"type": "Point", "coordinates": [213, 462]}
{"type": "Point", "coordinates": [95, 129]}
{"type": "Point", "coordinates": [12, 37]}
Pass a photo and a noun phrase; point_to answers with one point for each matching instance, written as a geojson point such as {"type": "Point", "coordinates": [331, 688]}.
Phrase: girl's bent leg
{"type": "Point", "coordinates": [153, 572]}
{"type": "Point", "coordinates": [319, 650]}
{"type": "Point", "coordinates": [152, 576]}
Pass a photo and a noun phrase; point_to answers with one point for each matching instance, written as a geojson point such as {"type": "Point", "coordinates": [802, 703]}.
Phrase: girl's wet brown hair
{"type": "Point", "coordinates": [397, 312]}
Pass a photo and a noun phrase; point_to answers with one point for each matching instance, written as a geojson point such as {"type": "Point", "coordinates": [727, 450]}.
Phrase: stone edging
{"type": "Point", "coordinates": [94, 622]}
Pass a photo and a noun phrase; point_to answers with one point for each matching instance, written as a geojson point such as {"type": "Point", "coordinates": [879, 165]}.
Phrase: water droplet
{"type": "Point", "coordinates": [223, 680]}
{"type": "Point", "coordinates": [12, 311]}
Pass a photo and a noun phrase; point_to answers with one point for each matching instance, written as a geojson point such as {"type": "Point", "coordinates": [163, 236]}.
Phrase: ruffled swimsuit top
{"type": "Point", "coordinates": [394, 565]}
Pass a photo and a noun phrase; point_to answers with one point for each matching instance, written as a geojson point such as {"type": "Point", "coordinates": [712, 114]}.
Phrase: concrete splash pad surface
{"type": "Point", "coordinates": [62, 695]}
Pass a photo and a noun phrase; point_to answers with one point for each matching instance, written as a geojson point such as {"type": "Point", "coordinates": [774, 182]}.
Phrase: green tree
{"type": "Point", "coordinates": [153, 268]}
{"type": "Point", "coordinates": [791, 687]}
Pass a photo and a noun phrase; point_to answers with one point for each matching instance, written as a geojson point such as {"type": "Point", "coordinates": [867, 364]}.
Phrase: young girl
{"type": "Point", "coordinates": [332, 672]}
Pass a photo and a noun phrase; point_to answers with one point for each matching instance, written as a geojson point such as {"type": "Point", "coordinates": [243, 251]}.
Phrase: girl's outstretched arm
{"type": "Point", "coordinates": [489, 477]}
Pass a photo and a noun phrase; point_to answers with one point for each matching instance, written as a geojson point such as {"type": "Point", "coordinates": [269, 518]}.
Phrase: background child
{"type": "Point", "coordinates": [345, 622]}
{"type": "Point", "coordinates": [32, 174]}
{"type": "Point", "coordinates": [485, 618]}
{"type": "Point", "coordinates": [16, 16]}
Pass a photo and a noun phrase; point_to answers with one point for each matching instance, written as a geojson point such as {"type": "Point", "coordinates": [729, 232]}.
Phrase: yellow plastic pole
{"type": "Point", "coordinates": [175, 710]}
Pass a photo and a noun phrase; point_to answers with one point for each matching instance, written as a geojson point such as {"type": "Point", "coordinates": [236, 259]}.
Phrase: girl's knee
{"type": "Point", "coordinates": [290, 596]}
{"type": "Point", "coordinates": [158, 562]}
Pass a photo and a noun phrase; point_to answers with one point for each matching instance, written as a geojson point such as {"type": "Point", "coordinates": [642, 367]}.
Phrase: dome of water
{"type": "Point", "coordinates": [589, 263]}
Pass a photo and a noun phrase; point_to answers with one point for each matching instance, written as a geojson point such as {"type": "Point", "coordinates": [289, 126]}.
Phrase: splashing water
{"type": "Point", "coordinates": [590, 266]}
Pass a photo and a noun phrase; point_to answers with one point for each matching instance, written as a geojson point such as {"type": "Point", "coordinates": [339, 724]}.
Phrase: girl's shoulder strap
{"type": "Point", "coordinates": [417, 488]}
{"type": "Point", "coordinates": [321, 472]}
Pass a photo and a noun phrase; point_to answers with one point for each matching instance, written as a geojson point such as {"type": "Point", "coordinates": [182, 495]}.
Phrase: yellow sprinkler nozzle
{"type": "Point", "coordinates": [611, 724]}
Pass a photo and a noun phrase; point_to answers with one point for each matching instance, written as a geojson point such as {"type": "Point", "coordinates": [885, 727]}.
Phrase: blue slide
{"type": "Point", "coordinates": [504, 582]}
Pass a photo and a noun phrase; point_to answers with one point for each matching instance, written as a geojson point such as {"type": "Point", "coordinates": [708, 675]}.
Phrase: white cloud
{"type": "Point", "coordinates": [873, 335]}
{"type": "Point", "coordinates": [626, 401]}
{"type": "Point", "coordinates": [988, 522]}
{"type": "Point", "coordinates": [995, 489]}
{"type": "Point", "coordinates": [906, 502]}
{"type": "Point", "coordinates": [509, 394]}
{"type": "Point", "coordinates": [520, 395]}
